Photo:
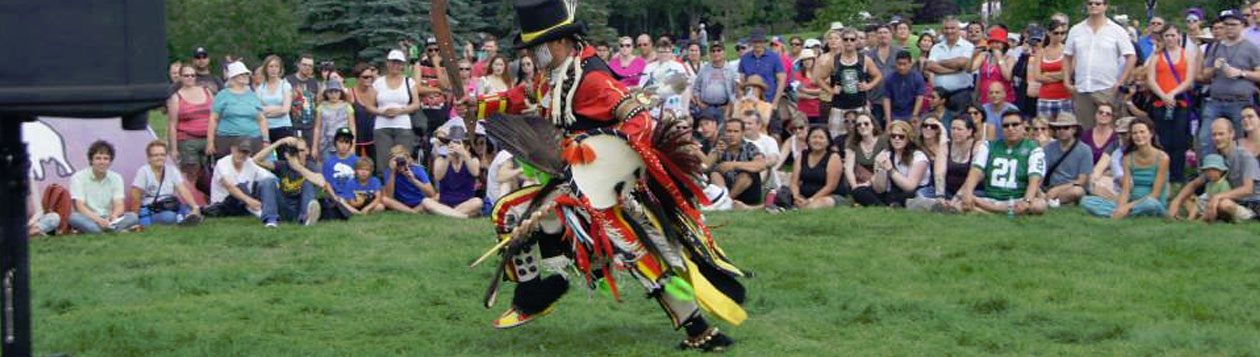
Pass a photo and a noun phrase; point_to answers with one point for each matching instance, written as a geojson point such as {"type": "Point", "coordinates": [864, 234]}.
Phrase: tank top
{"type": "Point", "coordinates": [866, 159]}
{"type": "Point", "coordinates": [1053, 90]}
{"type": "Point", "coordinates": [456, 186]}
{"type": "Point", "coordinates": [193, 119]}
{"type": "Point", "coordinates": [391, 98]}
{"type": "Point", "coordinates": [1164, 75]}
{"type": "Point", "coordinates": [847, 76]}
{"type": "Point", "coordinates": [956, 172]}
{"type": "Point", "coordinates": [272, 97]}
{"type": "Point", "coordinates": [362, 120]}
{"type": "Point", "coordinates": [1144, 181]}
{"type": "Point", "coordinates": [813, 178]}
{"type": "Point", "coordinates": [990, 72]}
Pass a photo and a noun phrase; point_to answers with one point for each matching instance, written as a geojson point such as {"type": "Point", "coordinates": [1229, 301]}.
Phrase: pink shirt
{"type": "Point", "coordinates": [988, 74]}
{"type": "Point", "coordinates": [631, 74]}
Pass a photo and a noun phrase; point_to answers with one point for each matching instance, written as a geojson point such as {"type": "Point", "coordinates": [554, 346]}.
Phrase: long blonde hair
{"type": "Point", "coordinates": [266, 61]}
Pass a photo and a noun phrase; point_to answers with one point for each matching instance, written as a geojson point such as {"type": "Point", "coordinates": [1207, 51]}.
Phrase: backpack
{"type": "Point", "coordinates": [57, 199]}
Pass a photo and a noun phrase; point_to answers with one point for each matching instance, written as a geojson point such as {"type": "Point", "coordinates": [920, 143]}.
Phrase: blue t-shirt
{"type": "Point", "coordinates": [994, 116]}
{"type": "Point", "coordinates": [339, 172]}
{"type": "Point", "coordinates": [901, 91]}
{"type": "Point", "coordinates": [766, 66]}
{"type": "Point", "coordinates": [238, 113]}
{"type": "Point", "coordinates": [406, 192]}
{"type": "Point", "coordinates": [274, 97]}
{"type": "Point", "coordinates": [363, 190]}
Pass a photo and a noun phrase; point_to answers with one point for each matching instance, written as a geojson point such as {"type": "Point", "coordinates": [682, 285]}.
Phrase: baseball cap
{"type": "Point", "coordinates": [812, 42]}
{"type": "Point", "coordinates": [244, 146]}
{"type": "Point", "coordinates": [430, 41]}
{"type": "Point", "coordinates": [335, 85]}
{"type": "Point", "coordinates": [396, 55]}
{"type": "Point", "coordinates": [200, 52]}
{"type": "Point", "coordinates": [1231, 13]}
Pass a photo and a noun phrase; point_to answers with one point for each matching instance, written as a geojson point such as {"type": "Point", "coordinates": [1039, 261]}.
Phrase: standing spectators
{"type": "Point", "coordinates": [1194, 26]}
{"type": "Point", "coordinates": [188, 119]}
{"type": "Point", "coordinates": [1011, 169]}
{"type": "Point", "coordinates": [776, 46]}
{"type": "Point", "coordinates": [859, 163]}
{"type": "Point", "coordinates": [922, 51]}
{"type": "Point", "coordinates": [903, 92]}
{"type": "Point", "coordinates": [602, 51]}
{"type": "Point", "coordinates": [361, 97]}
{"type": "Point", "coordinates": [1047, 69]}
{"type": "Point", "coordinates": [996, 107]}
{"type": "Point", "coordinates": [902, 170]}
{"type": "Point", "coordinates": [1090, 59]}
{"type": "Point", "coordinates": [1243, 200]}
{"type": "Point", "coordinates": [1150, 37]}
{"type": "Point", "coordinates": [1233, 65]}
{"type": "Point", "coordinates": [816, 177]}
{"type": "Point", "coordinates": [236, 115]}
{"type": "Point", "coordinates": [975, 33]}
{"type": "Point", "coordinates": [332, 115]}
{"type": "Point", "coordinates": [434, 86]}
{"type": "Point", "coordinates": [306, 93]}
{"type": "Point", "coordinates": [766, 64]}
{"type": "Point", "coordinates": [456, 171]}
{"type": "Point", "coordinates": [158, 188]}
{"type": "Point", "coordinates": [822, 76]}
{"type": "Point", "coordinates": [292, 196]}
{"type": "Point", "coordinates": [949, 61]}
{"type": "Point", "coordinates": [625, 64]}
{"type": "Point", "coordinates": [644, 44]}
{"type": "Point", "coordinates": [174, 74]}
{"type": "Point", "coordinates": [694, 59]}
{"type": "Point", "coordinates": [1252, 32]}
{"type": "Point", "coordinates": [1144, 191]}
{"type": "Point", "coordinates": [715, 85]}
{"type": "Point", "coordinates": [906, 40]}
{"type": "Point", "coordinates": [736, 166]}
{"type": "Point", "coordinates": [490, 50]}
{"type": "Point", "coordinates": [276, 96]}
{"type": "Point", "coordinates": [884, 54]}
{"type": "Point", "coordinates": [98, 195]}
{"type": "Point", "coordinates": [750, 103]}
{"type": "Point", "coordinates": [497, 81]}
{"type": "Point", "coordinates": [992, 66]}
{"type": "Point", "coordinates": [1170, 75]}
{"type": "Point", "coordinates": [667, 78]}
{"type": "Point", "coordinates": [806, 89]}
{"type": "Point", "coordinates": [205, 78]}
{"type": "Point", "coordinates": [396, 100]}
{"type": "Point", "coordinates": [847, 78]}
{"type": "Point", "coordinates": [1103, 137]}
{"type": "Point", "coordinates": [338, 166]}
{"type": "Point", "coordinates": [1070, 162]}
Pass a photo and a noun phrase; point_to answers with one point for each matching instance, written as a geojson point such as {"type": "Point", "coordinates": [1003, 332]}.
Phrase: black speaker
{"type": "Point", "coordinates": [83, 58]}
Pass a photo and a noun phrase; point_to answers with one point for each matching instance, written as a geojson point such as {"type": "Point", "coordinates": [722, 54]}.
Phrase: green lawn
{"type": "Point", "coordinates": [836, 282]}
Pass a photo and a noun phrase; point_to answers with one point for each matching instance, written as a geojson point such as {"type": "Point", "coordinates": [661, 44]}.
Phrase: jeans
{"type": "Point", "coordinates": [148, 217]}
{"type": "Point", "coordinates": [1213, 109]}
{"type": "Point", "coordinates": [233, 207]}
{"type": "Point", "coordinates": [1174, 135]}
{"type": "Point", "coordinates": [85, 225]}
{"type": "Point", "coordinates": [1103, 207]}
{"type": "Point", "coordinates": [276, 206]}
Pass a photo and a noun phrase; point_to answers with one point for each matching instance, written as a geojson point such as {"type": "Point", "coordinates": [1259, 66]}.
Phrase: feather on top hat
{"type": "Point", "coordinates": [543, 21]}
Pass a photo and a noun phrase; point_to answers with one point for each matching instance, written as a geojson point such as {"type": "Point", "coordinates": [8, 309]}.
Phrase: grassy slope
{"type": "Point", "coordinates": [862, 281]}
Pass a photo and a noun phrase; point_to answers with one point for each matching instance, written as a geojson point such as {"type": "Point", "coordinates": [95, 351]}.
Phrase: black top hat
{"type": "Point", "coordinates": [545, 20]}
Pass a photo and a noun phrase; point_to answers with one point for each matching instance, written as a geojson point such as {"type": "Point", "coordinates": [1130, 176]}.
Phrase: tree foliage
{"type": "Point", "coordinates": [850, 12]}
{"type": "Point", "coordinates": [1019, 13]}
{"type": "Point", "coordinates": [249, 29]}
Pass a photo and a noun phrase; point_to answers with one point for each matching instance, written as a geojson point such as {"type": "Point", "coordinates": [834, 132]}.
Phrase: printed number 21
{"type": "Point", "coordinates": [1004, 173]}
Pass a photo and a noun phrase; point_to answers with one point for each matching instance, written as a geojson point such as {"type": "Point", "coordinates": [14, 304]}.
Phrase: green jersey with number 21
{"type": "Point", "coordinates": [1007, 169]}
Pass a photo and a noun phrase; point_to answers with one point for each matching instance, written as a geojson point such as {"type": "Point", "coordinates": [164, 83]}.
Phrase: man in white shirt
{"type": "Point", "coordinates": [98, 195]}
{"type": "Point", "coordinates": [949, 61]}
{"type": "Point", "coordinates": [1092, 73]}
{"type": "Point", "coordinates": [236, 180]}
{"type": "Point", "coordinates": [766, 144]}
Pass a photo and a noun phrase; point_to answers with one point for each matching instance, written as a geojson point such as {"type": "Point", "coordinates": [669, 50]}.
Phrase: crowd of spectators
{"type": "Point", "coordinates": [967, 117]}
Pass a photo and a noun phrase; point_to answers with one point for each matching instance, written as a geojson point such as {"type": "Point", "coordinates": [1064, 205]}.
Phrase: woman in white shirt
{"type": "Point", "coordinates": [159, 181]}
{"type": "Point", "coordinates": [396, 99]}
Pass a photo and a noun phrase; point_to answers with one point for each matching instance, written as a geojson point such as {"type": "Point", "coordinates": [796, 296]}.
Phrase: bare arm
{"type": "Point", "coordinates": [833, 177]}
{"type": "Point", "coordinates": [849, 172]}
{"type": "Point", "coordinates": [262, 128]}
{"type": "Point", "coordinates": [1068, 70]}
{"type": "Point", "coordinates": [1129, 62]}
{"type": "Point", "coordinates": [440, 165]}
{"type": "Point", "coordinates": [212, 127]}
{"type": "Point", "coordinates": [172, 117]}
{"type": "Point", "coordinates": [873, 71]}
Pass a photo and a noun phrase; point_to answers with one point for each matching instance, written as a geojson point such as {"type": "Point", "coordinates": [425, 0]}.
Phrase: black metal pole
{"type": "Point", "coordinates": [15, 326]}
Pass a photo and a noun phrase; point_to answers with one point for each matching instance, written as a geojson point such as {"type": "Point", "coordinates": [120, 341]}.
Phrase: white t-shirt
{"type": "Point", "coordinates": [770, 149]}
{"type": "Point", "coordinates": [492, 174]}
{"type": "Point", "coordinates": [146, 180]}
{"type": "Point", "coordinates": [904, 168]}
{"type": "Point", "coordinates": [387, 98]}
{"type": "Point", "coordinates": [225, 170]}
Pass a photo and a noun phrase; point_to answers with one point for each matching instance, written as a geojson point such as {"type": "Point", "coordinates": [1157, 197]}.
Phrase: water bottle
{"type": "Point", "coordinates": [1010, 209]}
{"type": "Point", "coordinates": [1168, 113]}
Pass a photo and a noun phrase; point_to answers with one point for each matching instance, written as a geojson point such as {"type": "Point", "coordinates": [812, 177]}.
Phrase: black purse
{"type": "Point", "coordinates": [163, 203]}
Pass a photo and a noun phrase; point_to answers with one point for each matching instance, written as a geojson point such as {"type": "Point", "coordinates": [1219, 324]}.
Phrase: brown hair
{"type": "Point", "coordinates": [156, 143]}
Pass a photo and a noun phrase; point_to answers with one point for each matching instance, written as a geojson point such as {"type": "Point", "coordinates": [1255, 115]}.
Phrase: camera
{"type": "Point", "coordinates": [283, 152]}
{"type": "Point", "coordinates": [400, 163]}
{"type": "Point", "coordinates": [326, 65]}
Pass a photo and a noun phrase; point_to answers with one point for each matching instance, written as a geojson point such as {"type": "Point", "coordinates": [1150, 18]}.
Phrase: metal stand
{"type": "Point", "coordinates": [15, 327]}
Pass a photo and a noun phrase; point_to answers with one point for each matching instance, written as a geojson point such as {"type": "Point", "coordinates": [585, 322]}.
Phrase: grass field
{"type": "Point", "coordinates": [837, 282]}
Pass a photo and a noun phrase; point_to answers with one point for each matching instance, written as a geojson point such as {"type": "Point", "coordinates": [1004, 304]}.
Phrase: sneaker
{"type": "Point", "coordinates": [1054, 203]}
{"type": "Point", "coordinates": [270, 223]}
{"type": "Point", "coordinates": [190, 221]}
{"type": "Point", "coordinates": [312, 212]}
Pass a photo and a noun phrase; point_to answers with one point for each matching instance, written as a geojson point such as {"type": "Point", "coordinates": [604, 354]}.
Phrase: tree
{"type": "Point", "coordinates": [368, 29]}
{"type": "Point", "coordinates": [847, 11]}
{"type": "Point", "coordinates": [245, 29]}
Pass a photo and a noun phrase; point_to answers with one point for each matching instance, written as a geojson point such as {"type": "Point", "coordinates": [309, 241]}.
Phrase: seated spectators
{"type": "Point", "coordinates": [339, 165]}
{"type": "Point", "coordinates": [98, 195]}
{"type": "Point", "coordinates": [902, 170]}
{"type": "Point", "coordinates": [1011, 169]}
{"type": "Point", "coordinates": [158, 188]}
{"type": "Point", "coordinates": [736, 166]}
{"type": "Point", "coordinates": [859, 159]}
{"type": "Point", "coordinates": [408, 189]}
{"type": "Point", "coordinates": [995, 107]}
{"type": "Point", "coordinates": [1243, 199]}
{"type": "Point", "coordinates": [766, 145]}
{"type": "Point", "coordinates": [1102, 137]}
{"type": "Point", "coordinates": [1145, 188]}
{"type": "Point", "coordinates": [237, 179]}
{"type": "Point", "coordinates": [39, 222]}
{"type": "Point", "coordinates": [1105, 179]}
{"type": "Point", "coordinates": [985, 131]}
{"type": "Point", "coordinates": [1040, 132]}
{"type": "Point", "coordinates": [795, 143]}
{"type": "Point", "coordinates": [456, 171]}
{"type": "Point", "coordinates": [293, 196]}
{"type": "Point", "coordinates": [816, 177]}
{"type": "Point", "coordinates": [707, 133]}
{"type": "Point", "coordinates": [503, 176]}
{"type": "Point", "coordinates": [1070, 162]}
{"type": "Point", "coordinates": [1213, 170]}
{"type": "Point", "coordinates": [363, 194]}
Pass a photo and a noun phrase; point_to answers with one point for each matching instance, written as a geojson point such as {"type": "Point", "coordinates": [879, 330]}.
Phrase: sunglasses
{"type": "Point", "coordinates": [897, 136]}
{"type": "Point", "coordinates": [1059, 33]}
{"type": "Point", "coordinates": [465, 68]}
{"type": "Point", "coordinates": [627, 45]}
{"type": "Point", "coordinates": [1057, 128]}
{"type": "Point", "coordinates": [850, 39]}
{"type": "Point", "coordinates": [367, 78]}
{"type": "Point", "coordinates": [430, 50]}
{"type": "Point", "coordinates": [715, 50]}
{"type": "Point", "coordinates": [1010, 125]}
{"type": "Point", "coordinates": [644, 44]}
{"type": "Point", "coordinates": [972, 112]}
{"type": "Point", "coordinates": [796, 44]}
{"type": "Point", "coordinates": [201, 56]}
{"type": "Point", "coordinates": [931, 126]}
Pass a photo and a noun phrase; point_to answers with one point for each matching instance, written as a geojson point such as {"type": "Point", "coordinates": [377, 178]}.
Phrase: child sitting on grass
{"type": "Point", "coordinates": [364, 192]}
{"type": "Point", "coordinates": [1214, 168]}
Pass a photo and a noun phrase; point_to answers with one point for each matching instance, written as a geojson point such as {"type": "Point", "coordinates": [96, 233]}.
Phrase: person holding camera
{"type": "Point", "coordinates": [456, 170]}
{"type": "Point", "coordinates": [993, 66]}
{"type": "Point", "coordinates": [158, 188]}
{"type": "Point", "coordinates": [298, 181]}
{"type": "Point", "coordinates": [408, 188]}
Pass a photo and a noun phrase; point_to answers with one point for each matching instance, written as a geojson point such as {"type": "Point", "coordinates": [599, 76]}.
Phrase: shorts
{"type": "Point", "coordinates": [751, 196]}
{"type": "Point", "coordinates": [192, 151]}
{"type": "Point", "coordinates": [1050, 108]}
